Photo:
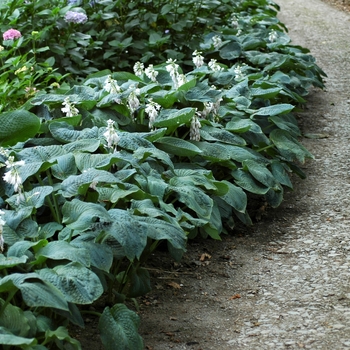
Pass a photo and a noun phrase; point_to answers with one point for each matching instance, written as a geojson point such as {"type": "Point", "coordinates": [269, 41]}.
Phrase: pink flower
{"type": "Point", "coordinates": [12, 34]}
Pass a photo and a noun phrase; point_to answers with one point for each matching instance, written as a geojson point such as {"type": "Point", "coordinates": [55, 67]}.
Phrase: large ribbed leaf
{"type": "Point", "coordinates": [66, 133]}
{"type": "Point", "coordinates": [178, 147]}
{"type": "Point", "coordinates": [62, 250]}
{"type": "Point", "coordinates": [80, 215]}
{"type": "Point", "coordinates": [74, 184]}
{"type": "Point", "coordinates": [274, 110]}
{"type": "Point", "coordinates": [210, 133]}
{"type": "Point", "coordinates": [288, 146]}
{"type": "Point", "coordinates": [144, 153]}
{"type": "Point", "coordinates": [239, 125]}
{"type": "Point", "coordinates": [35, 291]}
{"type": "Point", "coordinates": [101, 255]}
{"type": "Point", "coordinates": [14, 320]}
{"type": "Point", "coordinates": [6, 262]}
{"type": "Point", "coordinates": [78, 284]}
{"type": "Point", "coordinates": [174, 117]}
{"type": "Point", "coordinates": [235, 197]}
{"type": "Point", "coordinates": [248, 183]}
{"type": "Point", "coordinates": [62, 337]}
{"type": "Point", "coordinates": [214, 152]}
{"type": "Point", "coordinates": [7, 338]}
{"type": "Point", "coordinates": [261, 173]}
{"type": "Point", "coordinates": [118, 327]}
{"type": "Point", "coordinates": [64, 167]}
{"type": "Point", "coordinates": [16, 126]}
{"type": "Point", "coordinates": [194, 198]}
{"type": "Point", "coordinates": [128, 231]}
{"type": "Point", "coordinates": [34, 198]}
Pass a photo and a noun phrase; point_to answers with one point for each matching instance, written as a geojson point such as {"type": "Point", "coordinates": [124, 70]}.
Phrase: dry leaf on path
{"type": "Point", "coordinates": [204, 256]}
{"type": "Point", "coordinates": [236, 296]}
{"type": "Point", "coordinates": [174, 285]}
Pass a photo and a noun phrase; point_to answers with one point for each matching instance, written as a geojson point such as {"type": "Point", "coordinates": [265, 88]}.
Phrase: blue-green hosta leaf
{"type": "Point", "coordinates": [210, 133]}
{"type": "Point", "coordinates": [80, 215]}
{"type": "Point", "coordinates": [195, 199]}
{"type": "Point", "coordinates": [261, 173]}
{"type": "Point", "coordinates": [62, 250]}
{"type": "Point", "coordinates": [78, 284]}
{"type": "Point", "coordinates": [10, 261]}
{"type": "Point", "coordinates": [174, 117]}
{"type": "Point", "coordinates": [240, 154]}
{"type": "Point", "coordinates": [144, 153]}
{"type": "Point", "coordinates": [40, 154]}
{"type": "Point", "coordinates": [235, 197]}
{"type": "Point", "coordinates": [133, 141]}
{"type": "Point", "coordinates": [230, 51]}
{"type": "Point", "coordinates": [66, 133]}
{"type": "Point", "coordinates": [193, 178]}
{"type": "Point", "coordinates": [239, 125]}
{"type": "Point", "coordinates": [274, 197]}
{"type": "Point", "coordinates": [14, 218]}
{"type": "Point", "coordinates": [34, 198]}
{"type": "Point", "coordinates": [35, 291]}
{"type": "Point", "coordinates": [64, 167]}
{"type": "Point", "coordinates": [101, 255]}
{"type": "Point", "coordinates": [154, 135]}
{"type": "Point", "coordinates": [118, 328]}
{"type": "Point", "coordinates": [280, 172]}
{"type": "Point", "coordinates": [270, 111]}
{"type": "Point", "coordinates": [28, 228]}
{"type": "Point", "coordinates": [178, 147]}
{"type": "Point", "coordinates": [82, 145]}
{"type": "Point", "coordinates": [72, 185]}
{"type": "Point", "coordinates": [14, 320]}
{"type": "Point", "coordinates": [20, 249]}
{"type": "Point", "coordinates": [268, 93]}
{"type": "Point", "coordinates": [9, 339]}
{"type": "Point", "coordinates": [240, 89]}
{"type": "Point", "coordinates": [289, 147]}
{"type": "Point", "coordinates": [49, 229]}
{"type": "Point", "coordinates": [115, 193]}
{"type": "Point", "coordinates": [214, 152]}
{"type": "Point", "coordinates": [214, 227]}
{"type": "Point", "coordinates": [86, 161]}
{"type": "Point", "coordinates": [17, 126]}
{"type": "Point", "coordinates": [139, 282]}
{"type": "Point", "coordinates": [165, 98]}
{"type": "Point", "coordinates": [248, 183]}
{"type": "Point", "coordinates": [287, 123]}
{"type": "Point", "coordinates": [61, 336]}
{"type": "Point", "coordinates": [128, 231]}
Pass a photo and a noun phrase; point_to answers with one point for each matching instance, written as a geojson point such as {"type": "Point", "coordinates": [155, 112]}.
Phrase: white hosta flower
{"type": "Point", "coordinates": [2, 223]}
{"type": "Point", "coordinates": [213, 65]}
{"type": "Point", "coordinates": [194, 129]}
{"type": "Point", "coordinates": [111, 85]}
{"type": "Point", "coordinates": [234, 21]}
{"type": "Point", "coordinates": [273, 36]}
{"type": "Point", "coordinates": [216, 41]}
{"type": "Point", "coordinates": [172, 68]}
{"type": "Point", "coordinates": [239, 75]}
{"type": "Point", "coordinates": [138, 68]}
{"type": "Point", "coordinates": [152, 110]}
{"type": "Point", "coordinates": [69, 109]}
{"type": "Point", "coordinates": [198, 59]}
{"type": "Point", "coordinates": [208, 107]}
{"type": "Point", "coordinates": [133, 101]}
{"type": "Point", "coordinates": [151, 73]}
{"type": "Point", "coordinates": [12, 176]}
{"type": "Point", "coordinates": [216, 106]}
{"type": "Point", "coordinates": [111, 135]}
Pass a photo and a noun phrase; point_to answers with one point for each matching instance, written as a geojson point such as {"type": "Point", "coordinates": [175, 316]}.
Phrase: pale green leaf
{"type": "Point", "coordinates": [118, 328]}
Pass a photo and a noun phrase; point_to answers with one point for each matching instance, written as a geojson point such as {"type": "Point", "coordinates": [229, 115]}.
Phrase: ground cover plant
{"type": "Point", "coordinates": [128, 124]}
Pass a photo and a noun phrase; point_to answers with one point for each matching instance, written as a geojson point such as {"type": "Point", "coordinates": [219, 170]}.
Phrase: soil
{"type": "Point", "coordinates": [284, 282]}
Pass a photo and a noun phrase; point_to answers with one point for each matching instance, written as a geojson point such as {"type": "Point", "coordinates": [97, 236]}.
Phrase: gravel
{"type": "Point", "coordinates": [284, 283]}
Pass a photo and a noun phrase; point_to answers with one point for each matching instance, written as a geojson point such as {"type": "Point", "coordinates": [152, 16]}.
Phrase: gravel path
{"type": "Point", "coordinates": [286, 285]}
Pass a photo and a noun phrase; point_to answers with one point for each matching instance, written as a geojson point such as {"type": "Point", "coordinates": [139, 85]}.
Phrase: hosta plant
{"type": "Point", "coordinates": [98, 171]}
